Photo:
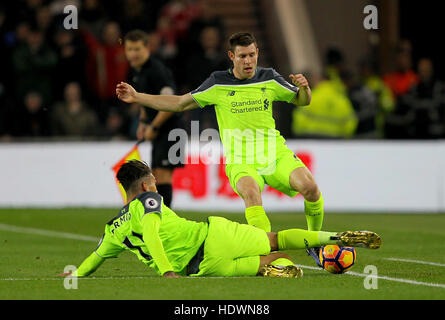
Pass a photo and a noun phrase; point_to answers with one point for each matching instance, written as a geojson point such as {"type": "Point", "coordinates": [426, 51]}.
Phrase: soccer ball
{"type": "Point", "coordinates": [337, 259]}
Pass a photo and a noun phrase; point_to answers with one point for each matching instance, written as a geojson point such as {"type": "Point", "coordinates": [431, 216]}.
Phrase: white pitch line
{"type": "Point", "coordinates": [364, 275]}
{"type": "Point", "coordinates": [82, 278]}
{"type": "Point", "coordinates": [351, 273]}
{"type": "Point", "coordinates": [49, 233]}
{"type": "Point", "coordinates": [66, 235]}
{"type": "Point", "coordinates": [417, 261]}
{"type": "Point", "coordinates": [413, 282]}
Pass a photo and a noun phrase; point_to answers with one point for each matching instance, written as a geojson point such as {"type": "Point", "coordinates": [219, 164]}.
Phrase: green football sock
{"type": "Point", "coordinates": [282, 262]}
{"type": "Point", "coordinates": [301, 239]}
{"type": "Point", "coordinates": [256, 216]}
{"type": "Point", "coordinates": [314, 214]}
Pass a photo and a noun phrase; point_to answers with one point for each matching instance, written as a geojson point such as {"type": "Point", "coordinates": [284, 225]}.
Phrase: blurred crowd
{"type": "Point", "coordinates": [60, 83]}
{"type": "Point", "coordinates": [405, 103]}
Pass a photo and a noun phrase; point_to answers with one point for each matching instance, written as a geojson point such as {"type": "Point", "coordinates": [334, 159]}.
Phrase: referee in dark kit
{"type": "Point", "coordinates": [149, 75]}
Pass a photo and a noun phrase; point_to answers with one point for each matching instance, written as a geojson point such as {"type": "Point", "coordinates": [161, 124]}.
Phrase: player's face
{"type": "Point", "coordinates": [136, 52]}
{"type": "Point", "coordinates": [244, 60]}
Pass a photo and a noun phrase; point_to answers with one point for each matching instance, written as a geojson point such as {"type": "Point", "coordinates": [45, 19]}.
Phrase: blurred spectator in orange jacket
{"type": "Point", "coordinates": [400, 81]}
{"type": "Point", "coordinates": [403, 78]}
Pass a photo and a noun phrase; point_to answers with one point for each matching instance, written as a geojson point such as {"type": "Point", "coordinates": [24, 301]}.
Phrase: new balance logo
{"type": "Point", "coordinates": [266, 104]}
{"type": "Point", "coordinates": [231, 93]}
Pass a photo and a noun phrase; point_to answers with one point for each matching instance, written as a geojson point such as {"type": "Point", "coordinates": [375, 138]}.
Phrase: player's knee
{"type": "Point", "coordinates": [273, 240]}
{"type": "Point", "coordinates": [310, 191]}
{"type": "Point", "coordinates": [251, 195]}
{"type": "Point", "coordinates": [302, 181]}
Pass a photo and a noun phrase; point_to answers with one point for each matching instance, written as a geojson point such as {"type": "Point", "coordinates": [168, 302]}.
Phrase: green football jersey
{"type": "Point", "coordinates": [244, 112]}
{"type": "Point", "coordinates": [181, 238]}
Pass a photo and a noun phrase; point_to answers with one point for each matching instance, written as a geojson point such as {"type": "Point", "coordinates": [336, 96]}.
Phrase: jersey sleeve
{"type": "Point", "coordinates": [204, 95]}
{"type": "Point", "coordinates": [151, 202]}
{"type": "Point", "coordinates": [89, 265]}
{"type": "Point", "coordinates": [284, 91]}
{"type": "Point", "coordinates": [107, 248]}
{"type": "Point", "coordinates": [150, 227]}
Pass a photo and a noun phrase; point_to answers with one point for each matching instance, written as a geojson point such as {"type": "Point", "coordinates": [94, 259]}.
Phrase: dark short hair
{"type": "Point", "coordinates": [131, 171]}
{"type": "Point", "coordinates": [243, 39]}
{"type": "Point", "coordinates": [137, 35]}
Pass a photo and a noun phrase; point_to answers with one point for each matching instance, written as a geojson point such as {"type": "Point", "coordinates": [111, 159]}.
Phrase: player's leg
{"type": "Point", "coordinates": [232, 249]}
{"type": "Point", "coordinates": [292, 177]}
{"type": "Point", "coordinates": [248, 184]}
{"type": "Point", "coordinates": [278, 264]}
{"type": "Point", "coordinates": [163, 166]}
{"type": "Point", "coordinates": [292, 239]}
{"type": "Point", "coordinates": [301, 180]}
{"type": "Point", "coordinates": [249, 190]}
{"type": "Point", "coordinates": [163, 178]}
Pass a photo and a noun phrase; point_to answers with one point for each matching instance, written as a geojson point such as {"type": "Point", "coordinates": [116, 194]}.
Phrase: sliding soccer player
{"type": "Point", "coordinates": [175, 246]}
{"type": "Point", "coordinates": [256, 152]}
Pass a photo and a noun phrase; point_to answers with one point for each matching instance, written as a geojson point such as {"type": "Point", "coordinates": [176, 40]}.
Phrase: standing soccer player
{"type": "Point", "coordinates": [256, 151]}
{"type": "Point", "coordinates": [149, 75]}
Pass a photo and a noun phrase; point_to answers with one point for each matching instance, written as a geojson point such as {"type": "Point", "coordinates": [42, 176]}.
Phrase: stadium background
{"type": "Point", "coordinates": [373, 91]}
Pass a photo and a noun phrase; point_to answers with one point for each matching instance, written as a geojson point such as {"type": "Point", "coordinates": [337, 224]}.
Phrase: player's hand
{"type": "Point", "coordinates": [150, 133]}
{"type": "Point", "coordinates": [171, 274]}
{"type": "Point", "coordinates": [66, 274]}
{"type": "Point", "coordinates": [125, 92]}
{"type": "Point", "coordinates": [299, 80]}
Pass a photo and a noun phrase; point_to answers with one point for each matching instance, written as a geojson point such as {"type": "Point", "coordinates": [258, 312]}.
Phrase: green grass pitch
{"type": "Point", "coordinates": [31, 258]}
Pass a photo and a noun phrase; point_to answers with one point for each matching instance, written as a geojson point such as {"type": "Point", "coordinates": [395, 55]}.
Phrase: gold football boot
{"type": "Point", "coordinates": [281, 271]}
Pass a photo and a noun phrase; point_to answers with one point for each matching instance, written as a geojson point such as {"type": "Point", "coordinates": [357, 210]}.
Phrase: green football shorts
{"type": "Point", "coordinates": [277, 175]}
{"type": "Point", "coordinates": [232, 249]}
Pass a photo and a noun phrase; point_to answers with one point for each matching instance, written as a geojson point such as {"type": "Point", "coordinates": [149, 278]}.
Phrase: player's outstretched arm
{"type": "Point", "coordinates": [106, 249]}
{"type": "Point", "coordinates": [88, 266]}
{"type": "Point", "coordinates": [172, 103]}
{"type": "Point", "coordinates": [150, 225]}
{"type": "Point", "coordinates": [303, 97]}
